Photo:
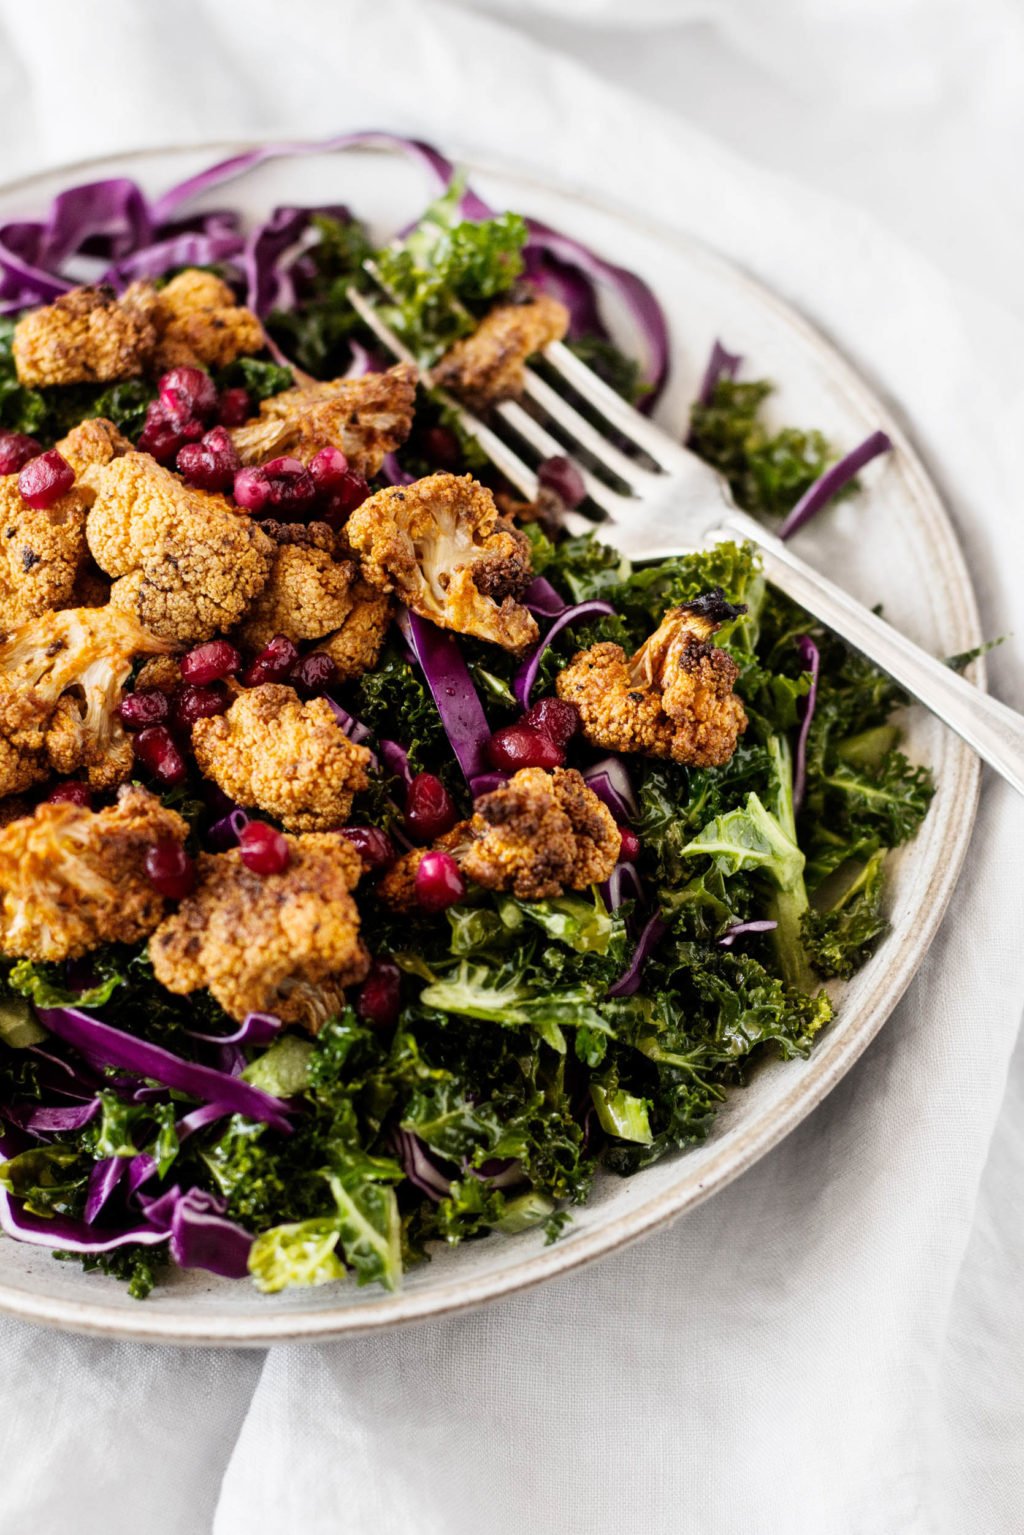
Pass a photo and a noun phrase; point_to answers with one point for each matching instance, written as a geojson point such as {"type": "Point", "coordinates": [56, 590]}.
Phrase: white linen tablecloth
{"type": "Point", "coordinates": [835, 1344]}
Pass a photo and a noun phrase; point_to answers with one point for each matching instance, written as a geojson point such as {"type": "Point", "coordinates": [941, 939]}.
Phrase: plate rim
{"type": "Point", "coordinates": [741, 1149]}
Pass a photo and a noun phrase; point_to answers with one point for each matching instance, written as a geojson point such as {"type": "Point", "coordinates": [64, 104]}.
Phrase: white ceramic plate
{"type": "Point", "coordinates": [893, 544]}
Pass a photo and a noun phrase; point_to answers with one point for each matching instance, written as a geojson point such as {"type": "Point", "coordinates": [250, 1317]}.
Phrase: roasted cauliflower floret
{"type": "Point", "coordinates": [200, 324]}
{"type": "Point", "coordinates": [72, 879]}
{"type": "Point", "coordinates": [441, 546]}
{"type": "Point", "coordinates": [354, 647]}
{"type": "Point", "coordinates": [310, 591]}
{"type": "Point", "coordinates": [289, 758]}
{"type": "Point", "coordinates": [93, 443]}
{"type": "Point", "coordinates": [61, 678]}
{"type": "Point", "coordinates": [365, 417]}
{"type": "Point", "coordinates": [540, 833]}
{"type": "Point", "coordinates": [86, 336]}
{"type": "Point", "coordinates": [189, 563]}
{"type": "Point", "coordinates": [674, 698]}
{"type": "Point", "coordinates": [41, 552]}
{"type": "Point", "coordinates": [282, 943]}
{"type": "Point", "coordinates": [488, 365]}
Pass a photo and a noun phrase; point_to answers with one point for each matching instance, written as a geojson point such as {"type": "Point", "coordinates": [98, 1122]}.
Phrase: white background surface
{"type": "Point", "coordinates": [836, 1343]}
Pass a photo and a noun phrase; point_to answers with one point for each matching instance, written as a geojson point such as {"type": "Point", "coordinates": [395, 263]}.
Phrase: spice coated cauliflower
{"type": "Point", "coordinates": [289, 758]}
{"type": "Point", "coordinates": [284, 943]}
{"type": "Point", "coordinates": [72, 879]}
{"type": "Point", "coordinates": [310, 592]}
{"type": "Point", "coordinates": [365, 418]}
{"type": "Point", "coordinates": [488, 365]}
{"type": "Point", "coordinates": [443, 548]}
{"type": "Point", "coordinates": [673, 698]}
{"type": "Point", "coordinates": [187, 563]}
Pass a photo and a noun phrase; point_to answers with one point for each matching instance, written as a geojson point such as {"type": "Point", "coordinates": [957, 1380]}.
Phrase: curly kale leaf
{"type": "Point", "coordinates": [317, 332]}
{"type": "Point", "coordinates": [259, 378]}
{"type": "Point", "coordinates": [839, 933]}
{"type": "Point", "coordinates": [767, 471]}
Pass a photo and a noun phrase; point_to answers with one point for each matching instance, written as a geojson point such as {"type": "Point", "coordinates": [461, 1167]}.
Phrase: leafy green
{"type": "Point", "coordinates": [257, 376]}
{"type": "Point", "coordinates": [847, 920]}
{"type": "Point", "coordinates": [318, 330]}
{"type": "Point", "coordinates": [298, 1253]}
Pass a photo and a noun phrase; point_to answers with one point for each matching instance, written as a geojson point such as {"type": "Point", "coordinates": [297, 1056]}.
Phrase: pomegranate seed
{"type": "Point", "coordinates": [441, 447]}
{"type": "Point", "coordinates": [45, 479]}
{"type": "Point", "coordinates": [15, 451]}
{"type": "Point", "coordinates": [187, 394]}
{"type": "Point", "coordinates": [429, 811]}
{"type": "Point", "coordinates": [630, 845]}
{"type": "Point", "coordinates": [210, 464]}
{"type": "Point", "coordinates": [264, 850]}
{"type": "Point", "coordinates": [71, 793]}
{"type": "Point", "coordinates": [252, 489]}
{"type": "Point", "coordinates": [562, 476]}
{"type": "Point", "coordinates": [292, 487]}
{"type": "Point", "coordinates": [313, 674]}
{"type": "Point", "coordinates": [329, 469]}
{"type": "Point", "coordinates": [146, 707]}
{"type": "Point", "coordinates": [234, 407]}
{"type": "Point", "coordinates": [162, 436]}
{"type": "Point", "coordinates": [210, 662]}
{"type": "Point", "coordinates": [439, 882]}
{"type": "Point", "coordinates": [374, 846]}
{"type": "Point", "coordinates": [344, 499]}
{"type": "Point", "coordinates": [273, 663]}
{"type": "Point", "coordinates": [170, 870]}
{"type": "Point", "coordinates": [520, 746]}
{"type": "Point", "coordinates": [190, 703]}
{"type": "Point", "coordinates": [379, 997]}
{"type": "Point", "coordinates": [554, 718]}
{"type": "Point", "coordinates": [158, 751]}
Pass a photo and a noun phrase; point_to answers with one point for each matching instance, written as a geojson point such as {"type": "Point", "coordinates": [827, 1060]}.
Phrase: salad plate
{"type": "Point", "coordinates": [894, 545]}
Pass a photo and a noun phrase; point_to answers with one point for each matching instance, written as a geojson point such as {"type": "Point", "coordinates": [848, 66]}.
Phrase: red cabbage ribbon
{"type": "Point", "coordinates": [832, 481]}
{"type": "Point", "coordinates": [451, 687]}
{"type": "Point", "coordinates": [526, 676]}
{"type": "Point", "coordinates": [731, 934]}
{"type": "Point", "coordinates": [651, 935]}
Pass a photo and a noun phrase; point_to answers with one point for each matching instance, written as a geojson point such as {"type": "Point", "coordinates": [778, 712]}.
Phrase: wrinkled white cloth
{"type": "Point", "coordinates": [834, 1344]}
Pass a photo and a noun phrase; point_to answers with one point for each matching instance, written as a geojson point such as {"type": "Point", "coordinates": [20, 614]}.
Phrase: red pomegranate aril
{"type": "Point", "coordinates": [562, 476]}
{"type": "Point", "coordinates": [71, 793]}
{"type": "Point", "coordinates": [210, 464]}
{"type": "Point", "coordinates": [554, 718]}
{"type": "Point", "coordinates": [292, 488]}
{"type": "Point", "coordinates": [15, 451]}
{"type": "Point", "coordinates": [273, 663]}
{"type": "Point", "coordinates": [329, 469]}
{"type": "Point", "coordinates": [429, 810]}
{"type": "Point", "coordinates": [439, 882]}
{"type": "Point", "coordinates": [163, 435]}
{"type": "Point", "coordinates": [170, 870]}
{"type": "Point", "coordinates": [314, 674]}
{"type": "Point", "coordinates": [374, 846]}
{"type": "Point", "coordinates": [441, 447]}
{"type": "Point", "coordinates": [45, 479]}
{"type": "Point", "coordinates": [264, 850]}
{"type": "Point", "coordinates": [148, 706]}
{"type": "Point", "coordinates": [211, 662]}
{"type": "Point", "coordinates": [158, 751]}
{"type": "Point", "coordinates": [187, 394]}
{"type": "Point", "coordinates": [190, 703]}
{"type": "Point", "coordinates": [519, 746]}
{"type": "Point", "coordinates": [343, 500]}
{"type": "Point", "coordinates": [379, 997]}
{"type": "Point", "coordinates": [630, 845]}
{"type": "Point", "coordinates": [251, 489]}
{"type": "Point", "coordinates": [234, 406]}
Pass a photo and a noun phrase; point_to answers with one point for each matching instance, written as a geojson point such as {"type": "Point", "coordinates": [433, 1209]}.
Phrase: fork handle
{"type": "Point", "coordinates": [993, 730]}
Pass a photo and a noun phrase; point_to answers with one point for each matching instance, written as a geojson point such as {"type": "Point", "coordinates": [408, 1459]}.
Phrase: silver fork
{"type": "Point", "coordinates": [680, 503]}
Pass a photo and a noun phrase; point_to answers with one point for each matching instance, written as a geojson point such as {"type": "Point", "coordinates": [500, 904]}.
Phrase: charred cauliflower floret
{"type": "Point", "coordinates": [309, 593]}
{"type": "Point", "coordinates": [282, 943]}
{"type": "Point", "coordinates": [41, 552]}
{"type": "Point", "coordinates": [86, 336]}
{"type": "Point", "coordinates": [354, 647]}
{"type": "Point", "coordinates": [674, 698]}
{"type": "Point", "coordinates": [61, 678]}
{"type": "Point", "coordinates": [200, 324]}
{"type": "Point", "coordinates": [290, 759]}
{"type": "Point", "coordinates": [540, 833]}
{"type": "Point", "coordinates": [365, 417]}
{"type": "Point", "coordinates": [93, 443]}
{"type": "Point", "coordinates": [188, 563]}
{"type": "Point", "coordinates": [72, 879]}
{"type": "Point", "coordinates": [488, 365]}
{"type": "Point", "coordinates": [441, 546]}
